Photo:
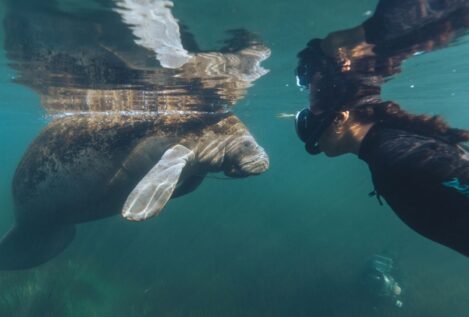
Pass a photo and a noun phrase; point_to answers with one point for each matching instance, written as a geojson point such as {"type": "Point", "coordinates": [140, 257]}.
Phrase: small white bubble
{"type": "Point", "coordinates": [412, 86]}
{"type": "Point", "coordinates": [454, 70]}
{"type": "Point", "coordinates": [298, 81]}
{"type": "Point", "coordinates": [453, 94]}
{"type": "Point", "coordinates": [287, 85]}
{"type": "Point", "coordinates": [368, 13]}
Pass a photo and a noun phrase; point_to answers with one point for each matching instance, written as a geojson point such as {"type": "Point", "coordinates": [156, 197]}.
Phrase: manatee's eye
{"type": "Point", "coordinates": [247, 144]}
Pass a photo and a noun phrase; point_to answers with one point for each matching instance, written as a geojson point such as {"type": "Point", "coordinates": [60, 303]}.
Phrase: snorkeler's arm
{"type": "Point", "coordinates": [396, 19]}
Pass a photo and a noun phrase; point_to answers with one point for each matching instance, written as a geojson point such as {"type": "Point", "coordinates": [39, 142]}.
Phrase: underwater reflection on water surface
{"type": "Point", "coordinates": [293, 241]}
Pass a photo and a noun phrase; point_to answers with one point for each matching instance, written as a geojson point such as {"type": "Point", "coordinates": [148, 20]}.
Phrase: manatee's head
{"type": "Point", "coordinates": [244, 157]}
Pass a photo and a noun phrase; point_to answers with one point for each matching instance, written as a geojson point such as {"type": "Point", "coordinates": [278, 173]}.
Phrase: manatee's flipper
{"type": "Point", "coordinates": [189, 185]}
{"type": "Point", "coordinates": [156, 29]}
{"type": "Point", "coordinates": [25, 247]}
{"type": "Point", "coordinates": [154, 190]}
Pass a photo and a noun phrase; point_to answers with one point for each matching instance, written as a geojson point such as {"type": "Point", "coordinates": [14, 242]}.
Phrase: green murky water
{"type": "Point", "coordinates": [290, 242]}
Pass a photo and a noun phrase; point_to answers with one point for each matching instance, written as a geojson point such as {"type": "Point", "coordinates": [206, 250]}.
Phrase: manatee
{"type": "Point", "coordinates": [126, 134]}
{"type": "Point", "coordinates": [86, 167]}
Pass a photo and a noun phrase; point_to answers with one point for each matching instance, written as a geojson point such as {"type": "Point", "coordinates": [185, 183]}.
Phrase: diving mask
{"type": "Point", "coordinates": [309, 128]}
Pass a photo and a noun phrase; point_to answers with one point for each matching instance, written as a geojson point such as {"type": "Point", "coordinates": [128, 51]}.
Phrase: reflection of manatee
{"type": "Point", "coordinates": [86, 167]}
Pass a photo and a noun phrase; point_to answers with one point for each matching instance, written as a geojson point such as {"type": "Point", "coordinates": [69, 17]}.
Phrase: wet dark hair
{"type": "Point", "coordinates": [390, 114]}
{"type": "Point", "coordinates": [331, 87]}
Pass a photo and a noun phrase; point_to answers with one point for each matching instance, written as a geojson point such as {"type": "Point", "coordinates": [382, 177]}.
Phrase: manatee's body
{"type": "Point", "coordinates": [129, 133]}
{"type": "Point", "coordinates": [83, 167]}
{"type": "Point", "coordinates": [70, 172]}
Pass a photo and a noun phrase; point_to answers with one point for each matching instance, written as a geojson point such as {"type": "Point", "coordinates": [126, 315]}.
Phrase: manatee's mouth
{"type": "Point", "coordinates": [252, 166]}
{"type": "Point", "coordinates": [255, 167]}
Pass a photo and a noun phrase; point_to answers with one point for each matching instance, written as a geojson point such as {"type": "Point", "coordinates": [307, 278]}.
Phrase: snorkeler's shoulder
{"type": "Point", "coordinates": [382, 143]}
{"type": "Point", "coordinates": [400, 154]}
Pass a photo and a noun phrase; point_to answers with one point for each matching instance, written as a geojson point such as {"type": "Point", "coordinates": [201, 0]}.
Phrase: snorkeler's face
{"type": "Point", "coordinates": [328, 142]}
{"type": "Point", "coordinates": [333, 141]}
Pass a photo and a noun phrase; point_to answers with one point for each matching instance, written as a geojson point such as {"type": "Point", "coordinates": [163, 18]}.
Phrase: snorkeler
{"type": "Point", "coordinates": [418, 163]}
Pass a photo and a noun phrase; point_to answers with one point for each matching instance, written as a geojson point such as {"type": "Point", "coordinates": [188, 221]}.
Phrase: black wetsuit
{"type": "Point", "coordinates": [424, 180]}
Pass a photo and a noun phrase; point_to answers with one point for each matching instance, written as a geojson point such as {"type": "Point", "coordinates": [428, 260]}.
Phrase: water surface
{"type": "Point", "coordinates": [290, 242]}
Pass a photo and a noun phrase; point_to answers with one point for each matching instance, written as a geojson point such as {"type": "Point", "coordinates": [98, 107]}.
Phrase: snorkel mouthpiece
{"type": "Point", "coordinates": [313, 149]}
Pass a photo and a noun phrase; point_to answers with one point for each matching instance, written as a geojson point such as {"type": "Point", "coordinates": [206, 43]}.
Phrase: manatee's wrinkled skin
{"type": "Point", "coordinates": [82, 168]}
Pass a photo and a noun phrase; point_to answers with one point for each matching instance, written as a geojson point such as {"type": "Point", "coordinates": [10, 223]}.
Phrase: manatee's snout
{"type": "Point", "coordinates": [256, 164]}
{"type": "Point", "coordinates": [245, 157]}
